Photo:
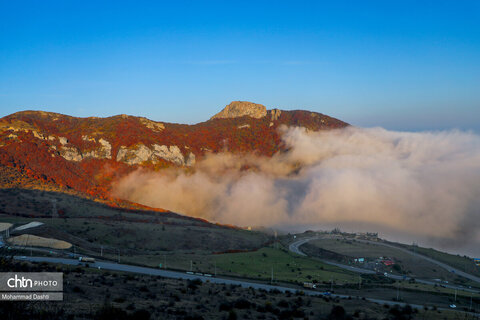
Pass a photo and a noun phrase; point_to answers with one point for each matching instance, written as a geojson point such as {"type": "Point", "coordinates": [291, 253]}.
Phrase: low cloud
{"type": "Point", "coordinates": [422, 186]}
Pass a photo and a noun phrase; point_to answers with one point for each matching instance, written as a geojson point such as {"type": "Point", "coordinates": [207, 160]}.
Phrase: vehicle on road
{"type": "Point", "coordinates": [86, 259]}
{"type": "Point", "coordinates": [309, 285]}
{"type": "Point", "coordinates": [453, 306]}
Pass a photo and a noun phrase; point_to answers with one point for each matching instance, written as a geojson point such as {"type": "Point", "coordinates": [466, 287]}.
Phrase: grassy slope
{"type": "Point", "coordinates": [463, 263]}
{"type": "Point", "coordinates": [152, 239]}
{"type": "Point", "coordinates": [411, 265]}
{"type": "Point", "coordinates": [90, 225]}
{"type": "Point", "coordinates": [286, 266]}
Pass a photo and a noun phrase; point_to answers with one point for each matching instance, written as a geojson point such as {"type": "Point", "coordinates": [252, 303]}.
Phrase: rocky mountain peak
{"type": "Point", "coordinates": [242, 108]}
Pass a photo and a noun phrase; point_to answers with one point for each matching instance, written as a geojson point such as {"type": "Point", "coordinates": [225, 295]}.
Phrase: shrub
{"type": "Point", "coordinates": [242, 304]}
{"type": "Point", "coordinates": [337, 313]}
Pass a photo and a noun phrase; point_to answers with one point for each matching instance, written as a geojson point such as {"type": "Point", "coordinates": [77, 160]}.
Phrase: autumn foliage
{"type": "Point", "coordinates": [29, 143]}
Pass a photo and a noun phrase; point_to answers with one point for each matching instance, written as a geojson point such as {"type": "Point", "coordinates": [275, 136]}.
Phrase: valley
{"type": "Point", "coordinates": [63, 205]}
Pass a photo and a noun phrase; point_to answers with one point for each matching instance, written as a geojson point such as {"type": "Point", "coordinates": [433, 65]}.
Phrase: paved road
{"type": "Point", "coordinates": [438, 263]}
{"type": "Point", "coordinates": [295, 247]}
{"type": "Point", "coordinates": [181, 275]}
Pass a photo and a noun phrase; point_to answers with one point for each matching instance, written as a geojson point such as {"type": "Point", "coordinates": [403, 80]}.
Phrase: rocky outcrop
{"type": "Point", "coordinates": [275, 114]}
{"type": "Point", "coordinates": [242, 108]}
{"type": "Point", "coordinates": [190, 160]}
{"type": "Point", "coordinates": [172, 154]}
{"type": "Point", "coordinates": [63, 140]}
{"type": "Point", "coordinates": [142, 153]}
{"type": "Point", "coordinates": [134, 156]}
{"type": "Point", "coordinates": [88, 138]}
{"type": "Point", "coordinates": [152, 125]}
{"type": "Point", "coordinates": [103, 152]}
{"type": "Point", "coordinates": [70, 153]}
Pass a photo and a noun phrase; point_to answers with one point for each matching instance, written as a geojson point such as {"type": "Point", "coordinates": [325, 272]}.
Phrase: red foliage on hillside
{"type": "Point", "coordinates": [30, 143]}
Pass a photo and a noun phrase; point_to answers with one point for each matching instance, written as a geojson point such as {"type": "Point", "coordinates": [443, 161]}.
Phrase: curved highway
{"type": "Point", "coordinates": [438, 263]}
{"type": "Point", "coordinates": [190, 276]}
{"type": "Point", "coordinates": [295, 247]}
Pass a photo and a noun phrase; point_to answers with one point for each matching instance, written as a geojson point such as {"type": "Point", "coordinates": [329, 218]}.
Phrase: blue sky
{"type": "Point", "coordinates": [406, 65]}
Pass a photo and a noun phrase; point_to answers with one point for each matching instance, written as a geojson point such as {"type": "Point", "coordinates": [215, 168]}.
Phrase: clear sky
{"type": "Point", "coordinates": [408, 65]}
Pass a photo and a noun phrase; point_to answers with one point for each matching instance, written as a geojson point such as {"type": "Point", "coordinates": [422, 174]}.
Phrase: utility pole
{"type": "Point", "coordinates": [118, 255]}
{"type": "Point", "coordinates": [215, 268]}
{"type": "Point", "coordinates": [455, 295]}
{"type": "Point", "coordinates": [398, 290]}
{"type": "Point", "coordinates": [331, 285]}
{"type": "Point", "coordinates": [276, 244]}
{"type": "Point", "coordinates": [272, 275]}
{"type": "Point", "coordinates": [54, 209]}
{"type": "Point", "coordinates": [191, 265]}
{"type": "Point", "coordinates": [101, 251]}
{"type": "Point", "coordinates": [164, 262]}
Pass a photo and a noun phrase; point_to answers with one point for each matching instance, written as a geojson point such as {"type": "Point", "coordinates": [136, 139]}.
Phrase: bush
{"type": "Point", "coordinates": [225, 306]}
{"type": "Point", "coordinates": [232, 315]}
{"type": "Point", "coordinates": [194, 284]}
{"type": "Point", "coordinates": [337, 313]}
{"type": "Point", "coordinates": [242, 304]}
{"type": "Point", "coordinates": [283, 304]}
{"type": "Point", "coordinates": [119, 300]}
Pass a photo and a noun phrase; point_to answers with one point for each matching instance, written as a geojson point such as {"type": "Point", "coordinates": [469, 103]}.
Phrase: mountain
{"type": "Point", "coordinates": [86, 155]}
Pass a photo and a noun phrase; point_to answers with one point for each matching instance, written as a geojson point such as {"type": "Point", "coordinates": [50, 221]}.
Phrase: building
{"type": "Point", "coordinates": [477, 261]}
{"type": "Point", "coordinates": [388, 262]}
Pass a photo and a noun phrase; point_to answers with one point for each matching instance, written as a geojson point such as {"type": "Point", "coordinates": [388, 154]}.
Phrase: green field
{"type": "Point", "coordinates": [286, 266]}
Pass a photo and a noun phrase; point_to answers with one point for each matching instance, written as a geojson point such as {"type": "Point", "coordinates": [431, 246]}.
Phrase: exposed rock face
{"type": "Point", "coordinates": [87, 138]}
{"type": "Point", "coordinates": [134, 156]}
{"type": "Point", "coordinates": [172, 154]}
{"type": "Point", "coordinates": [70, 154]}
{"type": "Point", "coordinates": [63, 140]}
{"type": "Point", "coordinates": [275, 114]}
{"type": "Point", "coordinates": [154, 126]}
{"type": "Point", "coordinates": [106, 148]}
{"type": "Point", "coordinates": [103, 152]}
{"type": "Point", "coordinates": [190, 160]}
{"type": "Point", "coordinates": [242, 108]}
{"type": "Point", "coordinates": [142, 153]}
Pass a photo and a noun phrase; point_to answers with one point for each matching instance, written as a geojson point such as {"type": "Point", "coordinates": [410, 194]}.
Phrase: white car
{"type": "Point", "coordinates": [453, 306]}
